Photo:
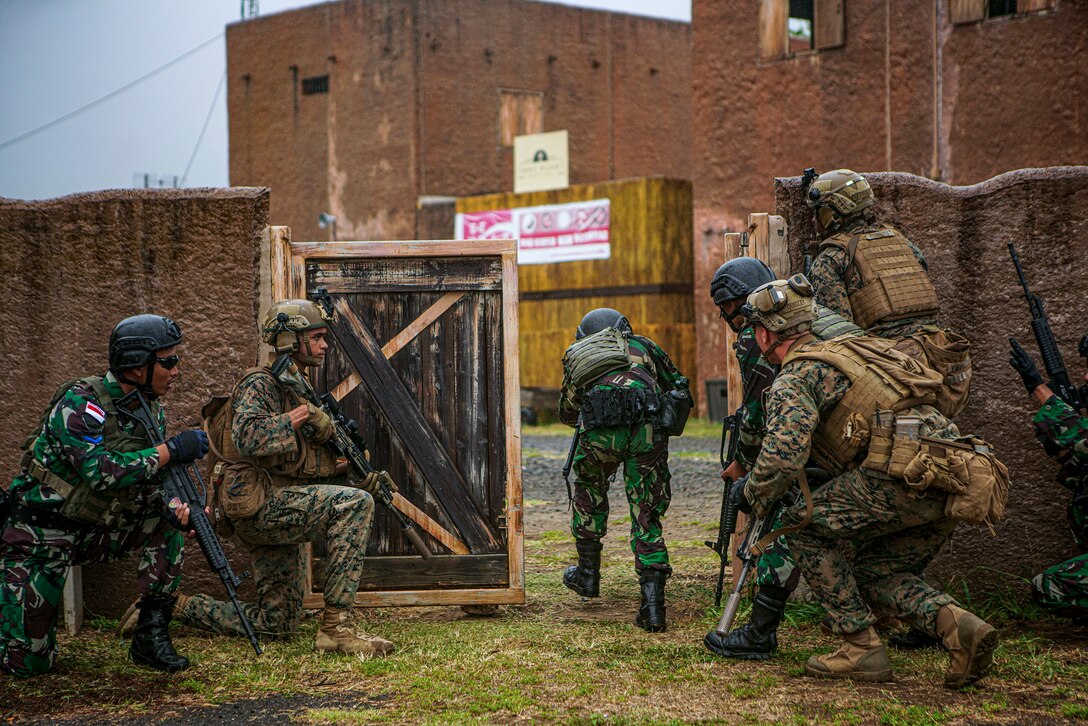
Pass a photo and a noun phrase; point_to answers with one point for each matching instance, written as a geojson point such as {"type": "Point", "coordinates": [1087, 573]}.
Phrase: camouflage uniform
{"type": "Point", "coordinates": [643, 453]}
{"type": "Point", "coordinates": [34, 560]}
{"type": "Point", "coordinates": [894, 533]}
{"type": "Point", "coordinates": [1064, 433]}
{"type": "Point", "coordinates": [833, 284]}
{"type": "Point", "coordinates": [296, 511]}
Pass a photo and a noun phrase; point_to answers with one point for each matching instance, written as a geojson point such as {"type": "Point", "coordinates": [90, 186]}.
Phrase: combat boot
{"type": "Point", "coordinates": [914, 639]}
{"type": "Point", "coordinates": [651, 607]}
{"type": "Point", "coordinates": [585, 577]}
{"type": "Point", "coordinates": [862, 658]}
{"type": "Point", "coordinates": [151, 645]}
{"type": "Point", "coordinates": [758, 638]}
{"type": "Point", "coordinates": [970, 641]}
{"type": "Point", "coordinates": [334, 635]}
{"type": "Point", "coordinates": [127, 625]}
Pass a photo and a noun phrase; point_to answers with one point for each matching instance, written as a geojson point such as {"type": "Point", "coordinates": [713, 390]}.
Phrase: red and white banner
{"type": "Point", "coordinates": [552, 233]}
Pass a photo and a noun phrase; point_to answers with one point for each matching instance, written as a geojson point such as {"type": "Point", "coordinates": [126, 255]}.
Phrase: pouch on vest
{"type": "Point", "coordinates": [239, 486]}
{"type": "Point", "coordinates": [675, 408]}
{"type": "Point", "coordinates": [948, 354]}
{"type": "Point", "coordinates": [977, 482]}
{"type": "Point", "coordinates": [593, 356]}
{"type": "Point", "coordinates": [606, 407]}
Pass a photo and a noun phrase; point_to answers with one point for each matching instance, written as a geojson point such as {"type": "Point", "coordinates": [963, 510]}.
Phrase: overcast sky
{"type": "Point", "coordinates": [58, 56]}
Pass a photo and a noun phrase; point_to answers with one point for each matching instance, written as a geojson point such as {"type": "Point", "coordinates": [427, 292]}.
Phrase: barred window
{"type": "Point", "coordinates": [316, 84]}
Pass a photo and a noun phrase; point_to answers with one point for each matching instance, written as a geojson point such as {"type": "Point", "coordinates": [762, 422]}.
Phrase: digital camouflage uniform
{"type": "Point", "coordinates": [297, 511]}
{"type": "Point", "coordinates": [1058, 426]}
{"type": "Point", "coordinates": [833, 285]}
{"type": "Point", "coordinates": [34, 560]}
{"type": "Point", "coordinates": [894, 534]}
{"type": "Point", "coordinates": [642, 453]}
{"type": "Point", "coordinates": [775, 566]}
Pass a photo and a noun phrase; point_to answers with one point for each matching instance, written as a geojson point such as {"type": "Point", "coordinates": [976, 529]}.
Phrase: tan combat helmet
{"type": "Point", "coordinates": [783, 306]}
{"type": "Point", "coordinates": [284, 325]}
{"type": "Point", "coordinates": [837, 197]}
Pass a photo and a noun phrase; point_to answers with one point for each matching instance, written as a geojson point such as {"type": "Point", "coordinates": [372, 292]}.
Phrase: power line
{"type": "Point", "coordinates": [109, 95]}
{"type": "Point", "coordinates": [204, 128]}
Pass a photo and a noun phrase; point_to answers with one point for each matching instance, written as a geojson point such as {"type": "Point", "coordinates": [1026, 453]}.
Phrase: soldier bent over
{"type": "Point", "coordinates": [87, 493]}
{"type": "Point", "coordinates": [617, 387]}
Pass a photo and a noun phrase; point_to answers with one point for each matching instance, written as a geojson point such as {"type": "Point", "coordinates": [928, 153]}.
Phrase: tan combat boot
{"type": "Point", "coordinates": [127, 625]}
{"type": "Point", "coordinates": [861, 658]}
{"type": "Point", "coordinates": [971, 642]}
{"type": "Point", "coordinates": [334, 635]}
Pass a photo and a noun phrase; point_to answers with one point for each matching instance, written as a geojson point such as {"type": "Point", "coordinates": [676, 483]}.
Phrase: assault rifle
{"type": "Point", "coordinates": [570, 458]}
{"type": "Point", "coordinates": [727, 520]}
{"type": "Point", "coordinates": [1048, 348]}
{"type": "Point", "coordinates": [758, 528]}
{"type": "Point", "coordinates": [347, 443]}
{"type": "Point", "coordinates": [177, 484]}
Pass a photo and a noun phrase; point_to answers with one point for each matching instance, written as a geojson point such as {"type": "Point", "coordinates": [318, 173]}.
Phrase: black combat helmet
{"type": "Point", "coordinates": [735, 280]}
{"type": "Point", "coordinates": [135, 340]}
{"type": "Point", "coordinates": [597, 320]}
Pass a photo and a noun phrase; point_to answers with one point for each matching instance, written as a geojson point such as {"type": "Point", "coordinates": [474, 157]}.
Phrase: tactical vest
{"type": "Point", "coordinates": [82, 502]}
{"type": "Point", "coordinates": [593, 356]}
{"type": "Point", "coordinates": [881, 378]}
{"type": "Point", "coordinates": [894, 285]}
{"type": "Point", "coordinates": [309, 461]}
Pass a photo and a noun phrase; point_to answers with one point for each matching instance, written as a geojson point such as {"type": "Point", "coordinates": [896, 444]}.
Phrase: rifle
{"type": "Point", "coordinates": [177, 483]}
{"type": "Point", "coordinates": [348, 444]}
{"type": "Point", "coordinates": [727, 520]}
{"type": "Point", "coordinates": [1048, 348]}
{"type": "Point", "coordinates": [757, 529]}
{"type": "Point", "coordinates": [570, 459]}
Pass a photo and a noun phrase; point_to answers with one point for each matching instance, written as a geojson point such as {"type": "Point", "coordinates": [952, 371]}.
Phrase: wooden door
{"type": "Point", "coordinates": [425, 359]}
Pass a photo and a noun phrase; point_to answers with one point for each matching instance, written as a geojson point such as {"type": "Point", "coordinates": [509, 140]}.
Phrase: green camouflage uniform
{"type": "Point", "coordinates": [1064, 433]}
{"type": "Point", "coordinates": [894, 534]}
{"type": "Point", "coordinates": [297, 511]}
{"type": "Point", "coordinates": [775, 566]}
{"type": "Point", "coordinates": [833, 288]}
{"type": "Point", "coordinates": [643, 453]}
{"type": "Point", "coordinates": [34, 560]}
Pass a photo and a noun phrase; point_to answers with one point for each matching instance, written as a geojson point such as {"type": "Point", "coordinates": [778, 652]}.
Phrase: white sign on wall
{"type": "Point", "coordinates": [541, 162]}
{"type": "Point", "coordinates": [548, 233]}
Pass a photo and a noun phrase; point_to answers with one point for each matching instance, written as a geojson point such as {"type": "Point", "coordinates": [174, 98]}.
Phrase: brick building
{"type": "Point", "coordinates": [955, 90]}
{"type": "Point", "coordinates": [363, 108]}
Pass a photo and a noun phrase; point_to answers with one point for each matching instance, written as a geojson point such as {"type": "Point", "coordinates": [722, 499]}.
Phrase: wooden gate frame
{"type": "Point", "coordinates": [287, 268]}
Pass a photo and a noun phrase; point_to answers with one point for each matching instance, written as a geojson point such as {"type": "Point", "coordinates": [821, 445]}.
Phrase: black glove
{"type": "Point", "coordinates": [737, 498]}
{"type": "Point", "coordinates": [187, 446]}
{"type": "Point", "coordinates": [1025, 366]}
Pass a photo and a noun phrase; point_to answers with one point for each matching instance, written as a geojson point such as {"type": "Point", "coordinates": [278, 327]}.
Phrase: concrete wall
{"type": "Point", "coordinates": [964, 232]}
{"type": "Point", "coordinates": [73, 267]}
{"type": "Point", "coordinates": [413, 103]}
{"type": "Point", "coordinates": [907, 91]}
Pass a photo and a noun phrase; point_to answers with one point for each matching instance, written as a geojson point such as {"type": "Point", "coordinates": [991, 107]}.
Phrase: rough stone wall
{"type": "Point", "coordinates": [73, 267]}
{"type": "Point", "coordinates": [964, 232]}
{"type": "Point", "coordinates": [413, 103]}
{"type": "Point", "coordinates": [907, 91]}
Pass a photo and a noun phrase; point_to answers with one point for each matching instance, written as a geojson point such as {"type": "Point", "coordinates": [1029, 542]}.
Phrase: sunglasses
{"type": "Point", "coordinates": [169, 362]}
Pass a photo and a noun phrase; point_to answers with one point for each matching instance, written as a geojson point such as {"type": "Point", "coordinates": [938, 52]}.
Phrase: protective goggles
{"type": "Point", "coordinates": [169, 362]}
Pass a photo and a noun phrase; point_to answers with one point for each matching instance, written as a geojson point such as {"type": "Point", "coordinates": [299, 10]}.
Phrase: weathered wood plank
{"type": "Point", "coordinates": [441, 572]}
{"type": "Point", "coordinates": [429, 525]}
{"type": "Point", "coordinates": [429, 315]}
{"type": "Point", "coordinates": [437, 274]}
{"type": "Point", "coordinates": [346, 386]}
{"type": "Point", "coordinates": [279, 246]}
{"type": "Point", "coordinates": [409, 598]}
{"type": "Point", "coordinates": [402, 414]}
{"type": "Point", "coordinates": [416, 248]}
{"type": "Point", "coordinates": [512, 422]}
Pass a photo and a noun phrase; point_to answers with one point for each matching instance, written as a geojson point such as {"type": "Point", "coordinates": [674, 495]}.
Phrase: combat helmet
{"type": "Point", "coordinates": [837, 197]}
{"type": "Point", "coordinates": [783, 306]}
{"type": "Point", "coordinates": [735, 280]}
{"type": "Point", "coordinates": [597, 320]}
{"type": "Point", "coordinates": [286, 321]}
{"type": "Point", "coordinates": [134, 342]}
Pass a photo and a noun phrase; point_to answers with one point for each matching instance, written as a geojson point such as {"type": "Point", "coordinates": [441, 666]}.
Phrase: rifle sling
{"type": "Point", "coordinates": [761, 546]}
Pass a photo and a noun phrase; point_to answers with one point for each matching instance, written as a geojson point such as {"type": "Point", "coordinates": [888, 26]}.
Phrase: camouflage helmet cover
{"type": "Point", "coordinates": [597, 320]}
{"type": "Point", "coordinates": [783, 306]}
{"type": "Point", "coordinates": [286, 319]}
{"type": "Point", "coordinates": [836, 197]}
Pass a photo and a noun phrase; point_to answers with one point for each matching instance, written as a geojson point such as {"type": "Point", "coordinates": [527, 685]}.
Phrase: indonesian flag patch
{"type": "Point", "coordinates": [95, 412]}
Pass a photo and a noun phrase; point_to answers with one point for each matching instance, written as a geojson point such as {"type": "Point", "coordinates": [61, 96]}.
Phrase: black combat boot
{"type": "Point", "coordinates": [758, 638]}
{"type": "Point", "coordinates": [915, 639]}
{"type": "Point", "coordinates": [151, 644]}
{"type": "Point", "coordinates": [651, 608]}
{"type": "Point", "coordinates": [585, 577]}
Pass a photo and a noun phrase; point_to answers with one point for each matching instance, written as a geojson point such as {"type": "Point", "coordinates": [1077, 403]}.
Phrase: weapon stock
{"type": "Point", "coordinates": [569, 464]}
{"type": "Point", "coordinates": [177, 482]}
{"type": "Point", "coordinates": [757, 529]}
{"type": "Point", "coordinates": [1048, 347]}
